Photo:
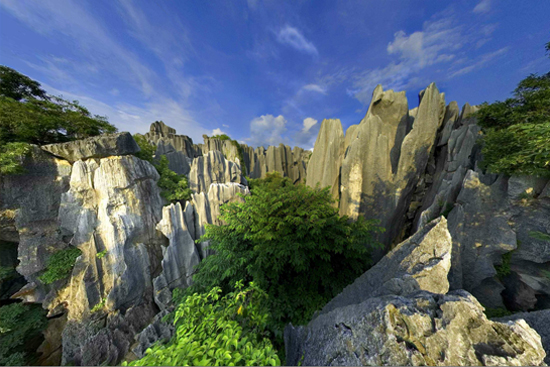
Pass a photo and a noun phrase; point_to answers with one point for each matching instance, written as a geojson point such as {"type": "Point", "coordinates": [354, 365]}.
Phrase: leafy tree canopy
{"type": "Point", "coordinates": [291, 241]}
{"type": "Point", "coordinates": [28, 114]}
{"type": "Point", "coordinates": [517, 131]}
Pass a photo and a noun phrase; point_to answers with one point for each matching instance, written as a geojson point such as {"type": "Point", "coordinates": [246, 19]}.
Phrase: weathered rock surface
{"type": "Point", "coordinates": [386, 157]}
{"type": "Point", "coordinates": [178, 149]}
{"type": "Point", "coordinates": [112, 206]}
{"type": "Point", "coordinates": [481, 232]}
{"type": "Point", "coordinates": [95, 147]}
{"type": "Point", "coordinates": [326, 160]}
{"type": "Point", "coordinates": [179, 257]}
{"type": "Point", "coordinates": [422, 329]}
{"type": "Point", "coordinates": [420, 262]}
{"type": "Point", "coordinates": [213, 168]}
{"type": "Point", "coordinates": [539, 321]}
{"type": "Point", "coordinates": [290, 163]}
{"type": "Point", "coordinates": [29, 204]}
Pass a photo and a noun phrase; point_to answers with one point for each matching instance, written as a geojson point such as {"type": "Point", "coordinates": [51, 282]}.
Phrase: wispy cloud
{"type": "Point", "coordinates": [480, 62]}
{"type": "Point", "coordinates": [441, 41]}
{"type": "Point", "coordinates": [484, 6]}
{"type": "Point", "coordinates": [315, 88]}
{"type": "Point", "coordinates": [305, 138]}
{"type": "Point", "coordinates": [292, 37]}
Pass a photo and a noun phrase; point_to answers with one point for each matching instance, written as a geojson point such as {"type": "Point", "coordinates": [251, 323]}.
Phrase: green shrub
{"type": "Point", "coordinates": [99, 306]}
{"type": "Point", "coordinates": [504, 269]}
{"type": "Point", "coordinates": [497, 312]}
{"type": "Point", "coordinates": [291, 241]}
{"type": "Point", "coordinates": [11, 157]}
{"type": "Point", "coordinates": [147, 151]}
{"type": "Point", "coordinates": [537, 235]}
{"type": "Point", "coordinates": [7, 272]}
{"type": "Point", "coordinates": [19, 323]}
{"type": "Point", "coordinates": [214, 331]}
{"type": "Point", "coordinates": [60, 265]}
{"type": "Point", "coordinates": [174, 187]}
{"type": "Point", "coordinates": [101, 254]}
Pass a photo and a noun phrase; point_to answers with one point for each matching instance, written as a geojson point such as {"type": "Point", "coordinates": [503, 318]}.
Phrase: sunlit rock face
{"type": "Point", "coordinates": [400, 312]}
{"type": "Point", "coordinates": [178, 149]}
{"type": "Point", "coordinates": [112, 206]}
{"type": "Point", "coordinates": [424, 329]}
{"type": "Point", "coordinates": [326, 160]}
{"type": "Point", "coordinates": [211, 168]}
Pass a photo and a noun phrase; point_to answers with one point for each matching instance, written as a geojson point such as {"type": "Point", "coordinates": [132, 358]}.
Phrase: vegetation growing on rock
{"type": "Point", "coordinates": [60, 265]}
{"type": "Point", "coordinates": [174, 187]}
{"type": "Point", "coordinates": [217, 331]}
{"type": "Point", "coordinates": [237, 146]}
{"type": "Point", "coordinates": [19, 324]}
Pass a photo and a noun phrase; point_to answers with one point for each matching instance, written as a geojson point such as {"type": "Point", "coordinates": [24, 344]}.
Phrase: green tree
{"type": "Point", "coordinates": [291, 241]}
{"type": "Point", "coordinates": [147, 151]}
{"type": "Point", "coordinates": [214, 331]}
{"type": "Point", "coordinates": [18, 86]}
{"type": "Point", "coordinates": [517, 131]}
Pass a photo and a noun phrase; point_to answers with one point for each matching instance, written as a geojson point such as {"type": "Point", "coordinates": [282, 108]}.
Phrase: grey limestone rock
{"type": "Point", "coordinates": [539, 321]}
{"type": "Point", "coordinates": [325, 162]}
{"type": "Point", "coordinates": [420, 262]}
{"type": "Point", "coordinates": [213, 168]}
{"type": "Point", "coordinates": [421, 329]}
{"type": "Point", "coordinates": [95, 147]}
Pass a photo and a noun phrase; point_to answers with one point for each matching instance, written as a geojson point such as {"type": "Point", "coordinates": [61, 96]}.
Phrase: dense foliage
{"type": "Point", "coordinates": [147, 151]}
{"type": "Point", "coordinates": [60, 265]}
{"type": "Point", "coordinates": [174, 187]}
{"type": "Point", "coordinates": [19, 324]}
{"type": "Point", "coordinates": [214, 331]}
{"type": "Point", "coordinates": [291, 241]}
{"type": "Point", "coordinates": [29, 115]}
{"type": "Point", "coordinates": [517, 131]}
{"type": "Point", "coordinates": [11, 157]}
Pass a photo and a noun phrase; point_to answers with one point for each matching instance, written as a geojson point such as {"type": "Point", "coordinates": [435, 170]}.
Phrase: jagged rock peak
{"type": "Point", "coordinates": [324, 164]}
{"type": "Point", "coordinates": [160, 128]}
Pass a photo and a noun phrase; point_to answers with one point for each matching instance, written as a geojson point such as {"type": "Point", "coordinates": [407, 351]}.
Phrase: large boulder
{"type": "Point", "coordinates": [100, 146]}
{"type": "Point", "coordinates": [420, 262]}
{"type": "Point", "coordinates": [419, 330]}
{"type": "Point", "coordinates": [538, 320]}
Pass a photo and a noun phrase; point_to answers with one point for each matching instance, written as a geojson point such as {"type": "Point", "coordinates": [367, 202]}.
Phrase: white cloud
{"type": "Point", "coordinates": [482, 60]}
{"type": "Point", "coordinates": [292, 37]}
{"type": "Point", "coordinates": [308, 123]}
{"type": "Point", "coordinates": [305, 138]}
{"type": "Point", "coordinates": [483, 6]}
{"type": "Point", "coordinates": [315, 88]}
{"type": "Point", "coordinates": [224, 125]}
{"type": "Point", "coordinates": [267, 130]}
{"type": "Point", "coordinates": [217, 132]}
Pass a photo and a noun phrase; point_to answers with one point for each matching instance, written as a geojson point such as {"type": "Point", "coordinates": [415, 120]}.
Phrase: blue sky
{"type": "Point", "coordinates": [267, 72]}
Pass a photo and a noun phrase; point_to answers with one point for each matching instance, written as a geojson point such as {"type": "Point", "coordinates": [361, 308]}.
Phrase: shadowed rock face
{"type": "Point", "coordinates": [95, 147]}
{"type": "Point", "coordinates": [419, 330]}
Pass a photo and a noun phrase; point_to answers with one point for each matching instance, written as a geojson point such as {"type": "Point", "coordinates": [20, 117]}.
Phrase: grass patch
{"type": "Point", "coordinates": [504, 269]}
{"type": "Point", "coordinates": [101, 255]}
{"type": "Point", "coordinates": [537, 235]}
{"type": "Point", "coordinates": [497, 312]}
